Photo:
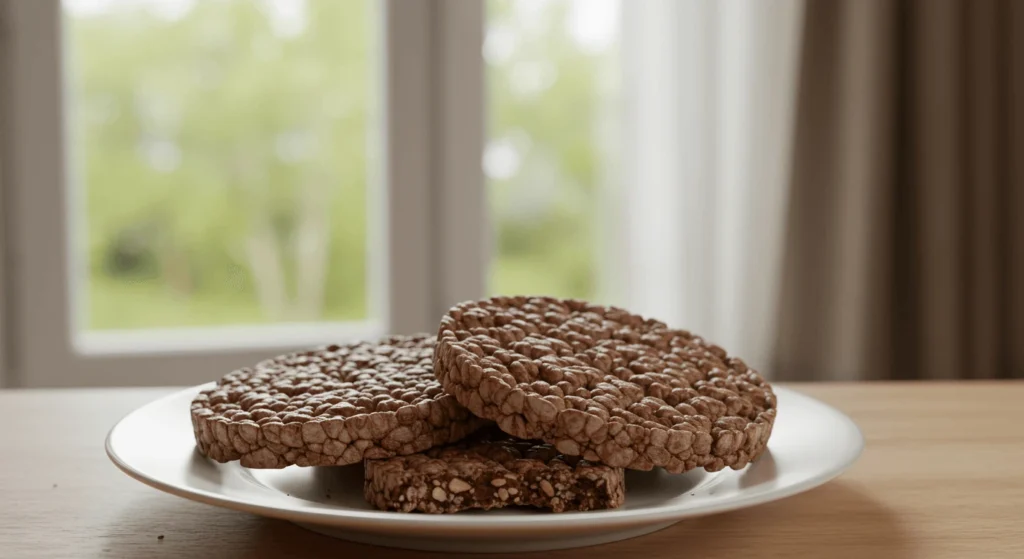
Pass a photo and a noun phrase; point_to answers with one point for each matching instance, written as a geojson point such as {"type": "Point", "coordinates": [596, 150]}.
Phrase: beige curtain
{"type": "Point", "coordinates": [905, 242]}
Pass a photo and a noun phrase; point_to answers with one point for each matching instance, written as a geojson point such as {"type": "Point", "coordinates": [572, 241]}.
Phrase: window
{"type": "Point", "coordinates": [194, 185]}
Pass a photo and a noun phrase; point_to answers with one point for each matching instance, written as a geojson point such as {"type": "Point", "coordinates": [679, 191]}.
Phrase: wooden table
{"type": "Point", "coordinates": [942, 476]}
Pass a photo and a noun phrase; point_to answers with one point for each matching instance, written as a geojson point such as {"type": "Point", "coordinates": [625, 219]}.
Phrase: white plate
{"type": "Point", "coordinates": [811, 444]}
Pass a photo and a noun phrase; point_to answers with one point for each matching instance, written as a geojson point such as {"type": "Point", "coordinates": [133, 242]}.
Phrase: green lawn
{"type": "Point", "coordinates": [125, 305]}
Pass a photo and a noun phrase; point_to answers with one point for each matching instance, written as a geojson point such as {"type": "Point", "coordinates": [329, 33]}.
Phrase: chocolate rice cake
{"type": "Point", "coordinates": [605, 384]}
{"type": "Point", "coordinates": [334, 405]}
{"type": "Point", "coordinates": [488, 472]}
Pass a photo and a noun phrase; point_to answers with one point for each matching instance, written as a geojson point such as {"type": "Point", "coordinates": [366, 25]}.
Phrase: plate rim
{"type": "Point", "coordinates": [387, 521]}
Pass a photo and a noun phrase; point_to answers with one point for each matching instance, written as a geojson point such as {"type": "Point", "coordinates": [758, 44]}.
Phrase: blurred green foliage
{"type": "Point", "coordinates": [224, 163]}
{"type": "Point", "coordinates": [546, 95]}
{"type": "Point", "coordinates": [223, 157]}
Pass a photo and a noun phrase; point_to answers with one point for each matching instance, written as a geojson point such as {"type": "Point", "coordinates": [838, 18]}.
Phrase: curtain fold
{"type": "Point", "coordinates": [904, 251]}
{"type": "Point", "coordinates": [710, 93]}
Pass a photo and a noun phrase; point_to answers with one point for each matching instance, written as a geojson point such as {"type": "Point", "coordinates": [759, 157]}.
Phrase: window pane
{"type": "Point", "coordinates": [553, 82]}
{"type": "Point", "coordinates": [221, 159]}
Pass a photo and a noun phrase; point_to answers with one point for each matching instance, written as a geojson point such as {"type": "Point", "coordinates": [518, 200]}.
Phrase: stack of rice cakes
{"type": "Point", "coordinates": [518, 401]}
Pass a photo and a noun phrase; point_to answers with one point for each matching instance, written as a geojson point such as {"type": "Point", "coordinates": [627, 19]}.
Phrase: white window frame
{"type": "Point", "coordinates": [429, 219]}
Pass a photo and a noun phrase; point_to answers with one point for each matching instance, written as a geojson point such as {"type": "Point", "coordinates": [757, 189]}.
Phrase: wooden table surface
{"type": "Point", "coordinates": [942, 476]}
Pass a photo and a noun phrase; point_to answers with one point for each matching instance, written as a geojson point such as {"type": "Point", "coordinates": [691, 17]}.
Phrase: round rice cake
{"type": "Point", "coordinates": [605, 384]}
{"type": "Point", "coordinates": [334, 405]}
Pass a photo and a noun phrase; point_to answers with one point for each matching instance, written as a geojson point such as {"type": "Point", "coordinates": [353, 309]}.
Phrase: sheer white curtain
{"type": "Point", "coordinates": [709, 91]}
